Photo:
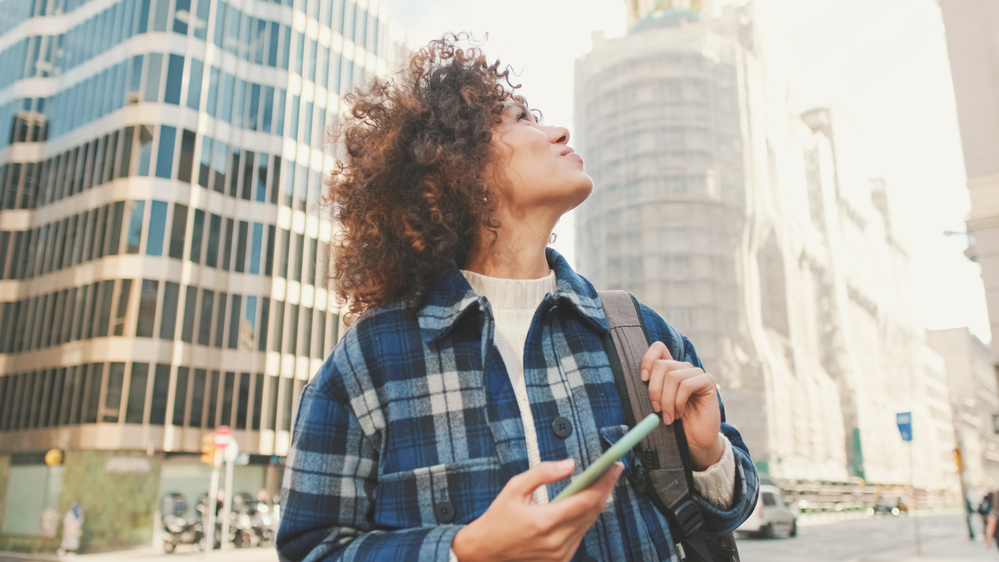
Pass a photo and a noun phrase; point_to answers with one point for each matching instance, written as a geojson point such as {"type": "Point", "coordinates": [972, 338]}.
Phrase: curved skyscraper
{"type": "Point", "coordinates": [161, 244]}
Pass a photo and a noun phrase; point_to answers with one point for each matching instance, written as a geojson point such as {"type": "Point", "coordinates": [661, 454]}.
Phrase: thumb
{"type": "Point", "coordinates": [543, 473]}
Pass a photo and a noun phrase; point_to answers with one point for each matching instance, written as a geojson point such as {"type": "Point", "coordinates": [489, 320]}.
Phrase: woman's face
{"type": "Point", "coordinates": [541, 172]}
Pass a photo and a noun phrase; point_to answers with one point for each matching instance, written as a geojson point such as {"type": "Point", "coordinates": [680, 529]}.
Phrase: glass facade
{"type": "Point", "coordinates": [162, 217]}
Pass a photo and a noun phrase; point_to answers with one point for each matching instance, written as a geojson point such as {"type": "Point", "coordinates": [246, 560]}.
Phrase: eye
{"type": "Point", "coordinates": [523, 115]}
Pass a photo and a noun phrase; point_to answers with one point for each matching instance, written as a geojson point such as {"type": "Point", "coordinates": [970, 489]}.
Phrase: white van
{"type": "Point", "coordinates": [772, 516]}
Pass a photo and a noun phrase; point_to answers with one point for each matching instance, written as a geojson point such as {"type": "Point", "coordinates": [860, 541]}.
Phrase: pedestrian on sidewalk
{"type": "Point", "coordinates": [72, 528]}
{"type": "Point", "coordinates": [969, 512]}
{"type": "Point", "coordinates": [475, 352]}
{"type": "Point", "coordinates": [991, 519]}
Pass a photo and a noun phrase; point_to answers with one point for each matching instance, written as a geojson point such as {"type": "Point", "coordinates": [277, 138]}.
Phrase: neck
{"type": "Point", "coordinates": [516, 252]}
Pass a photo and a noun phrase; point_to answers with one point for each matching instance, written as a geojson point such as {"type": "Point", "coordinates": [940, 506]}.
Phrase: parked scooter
{"type": "Point", "coordinates": [177, 527]}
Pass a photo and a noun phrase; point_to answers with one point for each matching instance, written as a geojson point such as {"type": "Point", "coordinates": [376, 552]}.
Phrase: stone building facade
{"type": "Point", "coordinates": [760, 233]}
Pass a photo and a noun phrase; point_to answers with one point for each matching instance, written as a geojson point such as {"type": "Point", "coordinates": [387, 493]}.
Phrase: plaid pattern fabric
{"type": "Point", "coordinates": [411, 410]}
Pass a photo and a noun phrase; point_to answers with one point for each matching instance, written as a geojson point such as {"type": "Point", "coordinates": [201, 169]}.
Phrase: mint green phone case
{"type": "Point", "coordinates": [617, 450]}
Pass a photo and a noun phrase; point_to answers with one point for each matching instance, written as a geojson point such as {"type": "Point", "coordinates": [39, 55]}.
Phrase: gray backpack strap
{"type": "Point", "coordinates": [664, 467]}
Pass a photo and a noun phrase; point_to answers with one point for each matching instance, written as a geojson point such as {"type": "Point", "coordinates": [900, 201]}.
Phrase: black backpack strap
{"type": "Point", "coordinates": [664, 467]}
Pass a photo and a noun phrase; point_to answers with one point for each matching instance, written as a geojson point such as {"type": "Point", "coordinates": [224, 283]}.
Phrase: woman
{"type": "Point", "coordinates": [473, 382]}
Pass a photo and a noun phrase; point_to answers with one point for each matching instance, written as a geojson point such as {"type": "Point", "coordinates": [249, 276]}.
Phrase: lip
{"type": "Point", "coordinates": [570, 153]}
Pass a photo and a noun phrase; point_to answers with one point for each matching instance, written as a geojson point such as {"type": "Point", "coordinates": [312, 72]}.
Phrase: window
{"type": "Point", "coordinates": [292, 341]}
{"type": "Point", "coordinates": [299, 257]}
{"type": "Point", "coordinates": [168, 320]}
{"type": "Point", "coordinates": [234, 321]}
{"type": "Point", "coordinates": [164, 157]}
{"type": "Point", "coordinates": [228, 85]}
{"type": "Point", "coordinates": [279, 126]}
{"type": "Point", "coordinates": [768, 499]}
{"type": "Point", "coordinates": [289, 396]}
{"type": "Point", "coordinates": [180, 392]}
{"type": "Point", "coordinates": [93, 392]}
{"type": "Point", "coordinates": [177, 231]}
{"type": "Point", "coordinates": [194, 82]}
{"type": "Point", "coordinates": [227, 395]}
{"type": "Point", "coordinates": [213, 87]}
{"type": "Point", "coordinates": [255, 244]}
{"type": "Point", "coordinates": [115, 241]}
{"type": "Point", "coordinates": [197, 397]}
{"type": "Point", "coordinates": [214, 232]}
{"type": "Point", "coordinates": [187, 329]}
{"type": "Point", "coordinates": [296, 105]}
{"type": "Point", "coordinates": [196, 234]}
{"type": "Point", "coordinates": [313, 261]}
{"type": "Point", "coordinates": [219, 164]}
{"type": "Point", "coordinates": [212, 392]}
{"type": "Point", "coordinates": [272, 401]}
{"type": "Point", "coordinates": [320, 348]}
{"type": "Point", "coordinates": [157, 228]}
{"type": "Point", "coordinates": [112, 398]}
{"type": "Point", "coordinates": [125, 163]}
{"type": "Point", "coordinates": [305, 349]}
{"type": "Point", "coordinates": [161, 390]}
{"type": "Point", "coordinates": [253, 111]}
{"type": "Point", "coordinates": [147, 309]}
{"type": "Point", "coordinates": [205, 168]}
{"type": "Point", "coordinates": [135, 407]}
{"type": "Point", "coordinates": [237, 107]}
{"type": "Point", "coordinates": [285, 251]}
{"type": "Point", "coordinates": [220, 321]}
{"type": "Point", "coordinates": [278, 326]}
{"type": "Point", "coordinates": [152, 89]}
{"type": "Point", "coordinates": [248, 170]}
{"type": "Point", "coordinates": [182, 16]}
{"type": "Point", "coordinates": [160, 16]}
{"type": "Point", "coordinates": [241, 246]}
{"type": "Point", "coordinates": [134, 236]}
{"type": "Point", "coordinates": [261, 183]}
{"type": "Point", "coordinates": [175, 78]}
{"type": "Point", "coordinates": [258, 397]}
{"type": "Point", "coordinates": [205, 326]}
{"type": "Point", "coordinates": [269, 255]}
{"type": "Point", "coordinates": [104, 320]}
{"type": "Point", "coordinates": [242, 400]}
{"type": "Point", "coordinates": [265, 316]}
{"type": "Point", "coordinates": [145, 149]}
{"type": "Point", "coordinates": [123, 295]}
{"type": "Point", "coordinates": [227, 243]}
{"type": "Point", "coordinates": [185, 164]}
{"type": "Point", "coordinates": [218, 36]}
{"type": "Point", "coordinates": [201, 23]}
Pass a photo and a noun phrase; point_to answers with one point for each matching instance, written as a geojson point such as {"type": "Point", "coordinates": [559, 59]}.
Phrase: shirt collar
{"type": "Point", "coordinates": [451, 297]}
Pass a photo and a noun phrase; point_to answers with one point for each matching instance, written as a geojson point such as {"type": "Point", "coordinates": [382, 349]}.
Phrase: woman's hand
{"type": "Point", "coordinates": [683, 391]}
{"type": "Point", "coordinates": [515, 528]}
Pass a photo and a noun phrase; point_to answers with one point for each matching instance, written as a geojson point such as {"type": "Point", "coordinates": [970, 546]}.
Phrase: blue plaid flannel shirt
{"type": "Point", "coordinates": [413, 409]}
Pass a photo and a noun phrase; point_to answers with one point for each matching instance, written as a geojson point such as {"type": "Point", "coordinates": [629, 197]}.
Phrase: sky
{"type": "Point", "coordinates": [883, 61]}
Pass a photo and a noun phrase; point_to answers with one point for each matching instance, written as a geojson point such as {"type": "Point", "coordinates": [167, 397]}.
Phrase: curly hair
{"type": "Point", "coordinates": [409, 191]}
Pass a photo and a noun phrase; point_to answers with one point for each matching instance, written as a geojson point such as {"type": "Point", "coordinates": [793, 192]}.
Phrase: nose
{"type": "Point", "coordinates": [558, 135]}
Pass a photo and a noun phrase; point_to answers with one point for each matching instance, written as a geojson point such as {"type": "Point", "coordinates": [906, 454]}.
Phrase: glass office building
{"type": "Point", "coordinates": [161, 246]}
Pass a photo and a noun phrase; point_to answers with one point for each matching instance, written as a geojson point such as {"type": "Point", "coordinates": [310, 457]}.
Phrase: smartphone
{"type": "Point", "coordinates": [617, 450]}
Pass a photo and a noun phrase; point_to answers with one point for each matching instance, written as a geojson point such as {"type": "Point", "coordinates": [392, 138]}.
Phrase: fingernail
{"type": "Point", "coordinates": [566, 465]}
{"type": "Point", "coordinates": [645, 374]}
{"type": "Point", "coordinates": [655, 406]}
{"type": "Point", "coordinates": [619, 465]}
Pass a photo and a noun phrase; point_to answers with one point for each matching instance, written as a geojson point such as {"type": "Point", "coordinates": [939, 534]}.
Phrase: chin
{"type": "Point", "coordinates": [580, 192]}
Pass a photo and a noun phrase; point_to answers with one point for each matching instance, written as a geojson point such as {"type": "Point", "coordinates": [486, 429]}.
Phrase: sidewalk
{"type": "Point", "coordinates": [149, 554]}
{"type": "Point", "coordinates": [950, 550]}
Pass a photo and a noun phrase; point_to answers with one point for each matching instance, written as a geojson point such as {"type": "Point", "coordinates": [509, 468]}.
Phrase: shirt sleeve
{"type": "Point", "coordinates": [717, 520]}
{"type": "Point", "coordinates": [327, 511]}
{"type": "Point", "coordinates": [716, 484]}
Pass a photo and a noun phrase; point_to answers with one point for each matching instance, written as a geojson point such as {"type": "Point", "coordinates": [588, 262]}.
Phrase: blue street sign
{"type": "Point", "coordinates": [904, 421]}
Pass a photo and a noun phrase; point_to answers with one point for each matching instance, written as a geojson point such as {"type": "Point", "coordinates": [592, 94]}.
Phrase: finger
{"type": "Point", "coordinates": [593, 498]}
{"type": "Point", "coordinates": [695, 386]}
{"type": "Point", "coordinates": [671, 382]}
{"type": "Point", "coordinates": [524, 484]}
{"type": "Point", "coordinates": [657, 351]}
{"type": "Point", "coordinates": [660, 369]}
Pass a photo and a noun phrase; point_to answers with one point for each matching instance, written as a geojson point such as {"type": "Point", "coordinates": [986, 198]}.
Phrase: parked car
{"type": "Point", "coordinates": [772, 515]}
{"type": "Point", "coordinates": [893, 505]}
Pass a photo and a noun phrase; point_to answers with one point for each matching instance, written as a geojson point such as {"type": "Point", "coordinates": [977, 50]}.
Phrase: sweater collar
{"type": "Point", "coordinates": [451, 297]}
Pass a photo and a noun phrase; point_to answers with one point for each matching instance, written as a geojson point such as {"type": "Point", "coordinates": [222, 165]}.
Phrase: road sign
{"type": "Point", "coordinates": [904, 421]}
{"type": "Point", "coordinates": [223, 437]}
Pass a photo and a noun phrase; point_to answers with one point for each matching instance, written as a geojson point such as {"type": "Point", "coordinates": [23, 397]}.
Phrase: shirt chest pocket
{"type": "Point", "coordinates": [444, 494]}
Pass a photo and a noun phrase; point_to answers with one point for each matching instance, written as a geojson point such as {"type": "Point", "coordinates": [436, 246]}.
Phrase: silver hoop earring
{"type": "Point", "coordinates": [552, 238]}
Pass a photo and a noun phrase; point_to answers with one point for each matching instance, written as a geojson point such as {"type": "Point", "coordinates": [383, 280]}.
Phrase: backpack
{"type": "Point", "coordinates": [662, 460]}
{"type": "Point", "coordinates": [984, 508]}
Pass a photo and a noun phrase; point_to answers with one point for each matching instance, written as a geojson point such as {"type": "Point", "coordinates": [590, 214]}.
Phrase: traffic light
{"type": "Point", "coordinates": [208, 449]}
{"type": "Point", "coordinates": [958, 460]}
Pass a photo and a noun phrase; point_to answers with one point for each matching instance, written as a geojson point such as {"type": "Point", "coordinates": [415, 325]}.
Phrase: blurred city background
{"type": "Point", "coordinates": [808, 189]}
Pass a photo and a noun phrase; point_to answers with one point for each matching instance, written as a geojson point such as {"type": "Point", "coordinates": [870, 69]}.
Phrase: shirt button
{"type": "Point", "coordinates": [444, 512]}
{"type": "Point", "coordinates": [562, 427]}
